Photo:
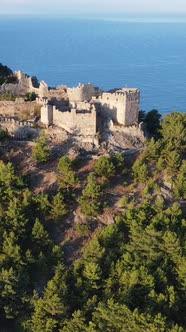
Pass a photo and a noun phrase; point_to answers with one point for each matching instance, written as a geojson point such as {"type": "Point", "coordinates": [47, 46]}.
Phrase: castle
{"type": "Point", "coordinates": [82, 110]}
{"type": "Point", "coordinates": [88, 105]}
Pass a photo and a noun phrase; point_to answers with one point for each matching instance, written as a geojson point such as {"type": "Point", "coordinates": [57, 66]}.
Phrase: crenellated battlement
{"type": "Point", "coordinates": [78, 121]}
{"type": "Point", "coordinates": [122, 106]}
{"type": "Point", "coordinates": [19, 123]}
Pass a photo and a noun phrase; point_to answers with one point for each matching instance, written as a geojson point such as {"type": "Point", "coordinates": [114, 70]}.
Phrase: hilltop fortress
{"type": "Point", "coordinates": [87, 106]}
{"type": "Point", "coordinates": [82, 110]}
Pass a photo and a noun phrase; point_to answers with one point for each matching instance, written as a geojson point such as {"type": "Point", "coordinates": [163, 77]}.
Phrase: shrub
{"type": "Point", "coordinates": [3, 134]}
{"type": "Point", "coordinates": [30, 96]}
{"type": "Point", "coordinates": [8, 97]}
{"type": "Point", "coordinates": [104, 166]}
{"type": "Point", "coordinates": [140, 171]}
{"type": "Point", "coordinates": [41, 150]}
{"type": "Point", "coordinates": [82, 229]}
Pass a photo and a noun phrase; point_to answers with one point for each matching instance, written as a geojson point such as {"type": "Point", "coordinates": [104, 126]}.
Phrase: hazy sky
{"type": "Point", "coordinates": [62, 7]}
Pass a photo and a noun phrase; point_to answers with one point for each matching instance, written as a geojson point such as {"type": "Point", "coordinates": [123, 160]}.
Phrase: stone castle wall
{"type": "Point", "coordinates": [132, 106]}
{"type": "Point", "coordinates": [47, 114]}
{"type": "Point", "coordinates": [81, 93]}
{"type": "Point", "coordinates": [121, 106]}
{"type": "Point", "coordinates": [10, 108]}
{"type": "Point", "coordinates": [74, 121]}
{"type": "Point", "coordinates": [58, 97]}
{"type": "Point", "coordinates": [17, 123]}
{"type": "Point", "coordinates": [42, 92]}
{"type": "Point", "coordinates": [134, 131]}
{"type": "Point", "coordinates": [16, 128]}
{"type": "Point", "coordinates": [23, 86]}
{"type": "Point", "coordinates": [111, 103]}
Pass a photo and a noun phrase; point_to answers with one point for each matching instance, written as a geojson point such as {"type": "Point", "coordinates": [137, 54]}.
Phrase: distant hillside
{"type": "Point", "coordinates": [6, 75]}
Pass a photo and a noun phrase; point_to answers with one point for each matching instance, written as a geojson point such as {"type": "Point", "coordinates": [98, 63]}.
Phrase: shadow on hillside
{"type": "Point", "coordinates": [60, 149]}
{"type": "Point", "coordinates": [34, 178]}
{"type": "Point", "coordinates": [71, 248]}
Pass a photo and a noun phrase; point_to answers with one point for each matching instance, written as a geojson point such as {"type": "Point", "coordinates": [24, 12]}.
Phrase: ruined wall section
{"type": "Point", "coordinates": [11, 108]}
{"type": "Point", "coordinates": [81, 93]}
{"type": "Point", "coordinates": [24, 85]}
{"type": "Point", "coordinates": [24, 123]}
{"type": "Point", "coordinates": [18, 129]}
{"type": "Point", "coordinates": [42, 92]}
{"type": "Point", "coordinates": [58, 97]}
{"type": "Point", "coordinates": [74, 121]}
{"type": "Point", "coordinates": [133, 131]}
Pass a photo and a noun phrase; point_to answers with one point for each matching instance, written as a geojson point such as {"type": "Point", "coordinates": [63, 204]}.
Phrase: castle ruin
{"type": "Point", "coordinates": [86, 105]}
{"type": "Point", "coordinates": [82, 110]}
{"type": "Point", "coordinates": [24, 85]}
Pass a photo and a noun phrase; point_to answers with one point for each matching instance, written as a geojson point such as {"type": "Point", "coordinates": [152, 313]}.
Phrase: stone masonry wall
{"type": "Point", "coordinates": [17, 123]}
{"type": "Point", "coordinates": [47, 114]}
{"type": "Point", "coordinates": [10, 108]}
{"type": "Point", "coordinates": [81, 93]}
{"type": "Point", "coordinates": [132, 107]}
{"type": "Point", "coordinates": [81, 123]}
{"type": "Point", "coordinates": [23, 86]}
{"type": "Point", "coordinates": [121, 106]}
{"type": "Point", "coordinates": [113, 106]}
{"type": "Point", "coordinates": [74, 121]}
{"type": "Point", "coordinates": [135, 131]}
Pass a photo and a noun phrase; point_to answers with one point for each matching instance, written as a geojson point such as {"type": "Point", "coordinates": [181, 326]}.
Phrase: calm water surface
{"type": "Point", "coordinates": [151, 56]}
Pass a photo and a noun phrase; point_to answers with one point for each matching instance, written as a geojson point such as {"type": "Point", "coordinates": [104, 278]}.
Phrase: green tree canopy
{"type": "Point", "coordinates": [41, 150]}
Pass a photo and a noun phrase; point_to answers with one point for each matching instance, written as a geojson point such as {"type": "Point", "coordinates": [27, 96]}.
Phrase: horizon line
{"type": "Point", "coordinates": [120, 17]}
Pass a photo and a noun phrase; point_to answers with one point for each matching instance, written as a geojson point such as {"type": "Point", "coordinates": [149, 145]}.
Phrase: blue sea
{"type": "Point", "coordinates": [110, 53]}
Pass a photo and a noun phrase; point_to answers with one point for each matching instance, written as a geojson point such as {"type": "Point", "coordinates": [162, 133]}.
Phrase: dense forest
{"type": "Point", "coordinates": [130, 274]}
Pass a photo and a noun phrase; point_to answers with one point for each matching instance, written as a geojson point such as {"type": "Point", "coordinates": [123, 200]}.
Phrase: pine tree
{"type": "Point", "coordinates": [180, 182]}
{"type": "Point", "coordinates": [40, 238]}
{"type": "Point", "coordinates": [11, 250]}
{"type": "Point", "coordinates": [104, 167]}
{"type": "Point", "coordinates": [15, 218]}
{"type": "Point", "coordinates": [58, 206]}
{"type": "Point", "coordinates": [90, 199]}
{"type": "Point", "coordinates": [49, 310]}
{"type": "Point", "coordinates": [173, 162]}
{"type": "Point", "coordinates": [67, 177]}
{"type": "Point", "coordinates": [174, 131]}
{"type": "Point", "coordinates": [41, 150]}
{"type": "Point", "coordinates": [140, 171]}
{"type": "Point", "coordinates": [76, 323]}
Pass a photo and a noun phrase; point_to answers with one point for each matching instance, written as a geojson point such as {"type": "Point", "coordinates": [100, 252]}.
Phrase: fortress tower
{"type": "Point", "coordinates": [128, 113]}
{"type": "Point", "coordinates": [81, 93]}
{"type": "Point", "coordinates": [46, 113]}
{"type": "Point", "coordinates": [122, 106]}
